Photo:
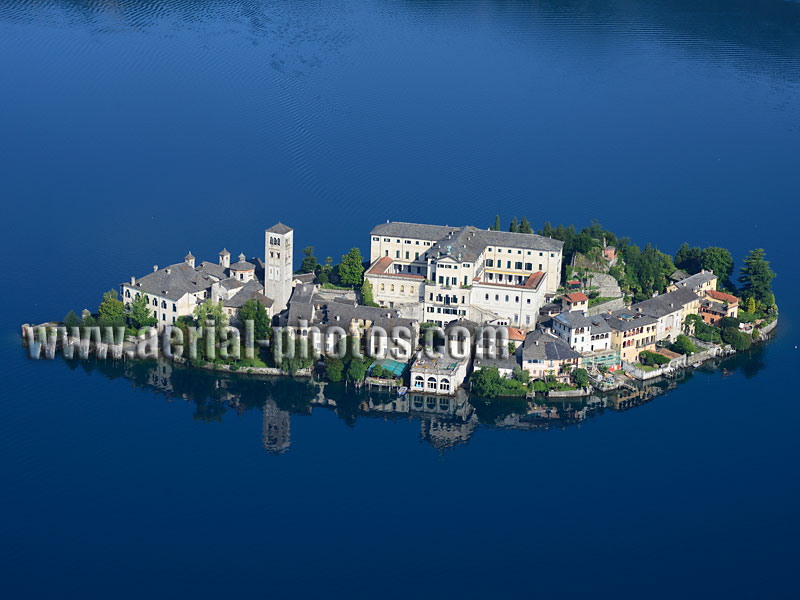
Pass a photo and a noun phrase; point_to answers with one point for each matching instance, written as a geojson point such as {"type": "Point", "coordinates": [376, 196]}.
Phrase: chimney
{"type": "Point", "coordinates": [189, 258]}
{"type": "Point", "coordinates": [167, 270]}
{"type": "Point", "coordinates": [242, 257]}
{"type": "Point", "coordinates": [155, 268]}
{"type": "Point", "coordinates": [133, 280]}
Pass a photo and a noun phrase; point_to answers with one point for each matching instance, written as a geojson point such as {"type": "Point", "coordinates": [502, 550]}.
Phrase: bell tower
{"type": "Point", "coordinates": [278, 265]}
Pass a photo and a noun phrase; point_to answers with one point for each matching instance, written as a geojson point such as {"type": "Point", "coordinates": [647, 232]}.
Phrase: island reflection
{"type": "Point", "coordinates": [444, 422]}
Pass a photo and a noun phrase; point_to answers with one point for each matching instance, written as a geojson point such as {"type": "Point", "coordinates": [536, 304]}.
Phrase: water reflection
{"type": "Point", "coordinates": [444, 422]}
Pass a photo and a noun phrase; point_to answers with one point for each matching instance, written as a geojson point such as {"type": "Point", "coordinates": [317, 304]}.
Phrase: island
{"type": "Point", "coordinates": [437, 310]}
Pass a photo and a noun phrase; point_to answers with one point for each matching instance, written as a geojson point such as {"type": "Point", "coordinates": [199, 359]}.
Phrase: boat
{"type": "Point", "coordinates": [402, 391]}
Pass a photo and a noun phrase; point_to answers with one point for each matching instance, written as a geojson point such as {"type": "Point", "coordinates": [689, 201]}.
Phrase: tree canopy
{"type": "Point", "coordinates": [111, 311]}
{"type": "Point", "coordinates": [351, 269]}
{"type": "Point", "coordinates": [139, 313]}
{"type": "Point", "coordinates": [756, 278]}
{"type": "Point", "coordinates": [310, 263]}
{"type": "Point", "coordinates": [253, 310]}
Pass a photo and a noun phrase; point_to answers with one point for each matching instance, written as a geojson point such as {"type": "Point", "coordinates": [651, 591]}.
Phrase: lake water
{"type": "Point", "coordinates": [132, 132]}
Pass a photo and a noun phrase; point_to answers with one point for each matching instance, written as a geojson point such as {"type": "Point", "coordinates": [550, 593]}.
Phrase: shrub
{"type": "Point", "coordinates": [739, 340]}
{"type": "Point", "coordinates": [581, 377]}
{"type": "Point", "coordinates": [652, 359]}
{"type": "Point", "coordinates": [683, 345]}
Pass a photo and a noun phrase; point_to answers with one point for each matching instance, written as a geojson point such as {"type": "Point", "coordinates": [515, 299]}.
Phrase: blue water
{"type": "Point", "coordinates": [131, 132]}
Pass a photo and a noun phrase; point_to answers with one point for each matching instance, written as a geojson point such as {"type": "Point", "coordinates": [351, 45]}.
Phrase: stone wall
{"type": "Point", "coordinates": [610, 306]}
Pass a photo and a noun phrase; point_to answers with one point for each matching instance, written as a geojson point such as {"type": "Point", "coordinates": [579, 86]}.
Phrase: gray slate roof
{"type": "Point", "coordinates": [213, 269]}
{"type": "Point", "coordinates": [541, 346]}
{"type": "Point", "coordinates": [174, 281]}
{"type": "Point", "coordinates": [509, 362]}
{"type": "Point", "coordinates": [243, 265]}
{"type": "Point", "coordinates": [626, 318]}
{"type": "Point", "coordinates": [696, 280]}
{"type": "Point", "coordinates": [664, 304]}
{"type": "Point", "coordinates": [468, 241]}
{"type": "Point", "coordinates": [250, 290]}
{"type": "Point", "coordinates": [575, 319]}
{"type": "Point", "coordinates": [280, 228]}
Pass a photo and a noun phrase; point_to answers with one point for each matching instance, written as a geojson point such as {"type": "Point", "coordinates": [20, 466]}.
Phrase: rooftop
{"type": "Point", "coordinates": [577, 297]}
{"type": "Point", "coordinates": [542, 346]}
{"type": "Point", "coordinates": [280, 228]}
{"type": "Point", "coordinates": [465, 243]}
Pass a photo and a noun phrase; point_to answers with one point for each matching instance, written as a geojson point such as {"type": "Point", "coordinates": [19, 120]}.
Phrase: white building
{"type": "Point", "coordinates": [583, 334]}
{"type": "Point", "coordinates": [278, 265]}
{"type": "Point", "coordinates": [441, 267]}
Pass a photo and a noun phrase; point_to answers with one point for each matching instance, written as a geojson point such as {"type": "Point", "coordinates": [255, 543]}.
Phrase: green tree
{"type": "Point", "coordinates": [486, 382]}
{"type": "Point", "coordinates": [521, 375]}
{"type": "Point", "coordinates": [211, 311]}
{"type": "Point", "coordinates": [111, 311]}
{"type": "Point", "coordinates": [738, 339]}
{"type": "Point", "coordinates": [377, 371]}
{"type": "Point", "coordinates": [356, 370]}
{"type": "Point", "coordinates": [720, 261]}
{"type": "Point", "coordinates": [139, 313]}
{"type": "Point", "coordinates": [496, 226]}
{"type": "Point", "coordinates": [581, 377]}
{"type": "Point", "coordinates": [71, 320]}
{"type": "Point", "coordinates": [683, 345]}
{"type": "Point", "coordinates": [310, 263]}
{"type": "Point", "coordinates": [513, 227]}
{"type": "Point", "coordinates": [689, 258]}
{"type": "Point", "coordinates": [253, 310]}
{"type": "Point", "coordinates": [525, 226]}
{"type": "Point", "coordinates": [366, 293]}
{"type": "Point", "coordinates": [750, 305]}
{"type": "Point", "coordinates": [351, 269]}
{"type": "Point", "coordinates": [334, 368]}
{"type": "Point", "coordinates": [756, 278]}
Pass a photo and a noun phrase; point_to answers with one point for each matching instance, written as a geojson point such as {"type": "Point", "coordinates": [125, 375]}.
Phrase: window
{"type": "Point", "coordinates": [127, 293]}
{"type": "Point", "coordinates": [382, 287]}
{"type": "Point", "coordinates": [528, 267]}
{"type": "Point", "coordinates": [406, 255]}
{"type": "Point", "coordinates": [540, 266]}
{"type": "Point", "coordinates": [518, 265]}
{"type": "Point", "coordinates": [411, 289]}
{"type": "Point", "coordinates": [402, 289]}
{"type": "Point", "coordinates": [508, 264]}
{"type": "Point", "coordinates": [397, 253]}
{"type": "Point", "coordinates": [174, 307]}
{"type": "Point", "coordinates": [163, 304]}
{"type": "Point", "coordinates": [155, 302]}
{"type": "Point", "coordinates": [391, 288]}
{"type": "Point", "coordinates": [376, 239]}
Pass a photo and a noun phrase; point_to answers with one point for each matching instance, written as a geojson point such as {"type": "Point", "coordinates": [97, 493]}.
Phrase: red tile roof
{"type": "Point", "coordinates": [381, 266]}
{"type": "Point", "coordinates": [516, 334]}
{"type": "Point", "coordinates": [722, 296]}
{"type": "Point", "coordinates": [576, 297]}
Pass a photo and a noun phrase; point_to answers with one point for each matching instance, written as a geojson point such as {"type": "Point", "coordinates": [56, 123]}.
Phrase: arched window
{"type": "Point", "coordinates": [155, 302]}
{"type": "Point", "coordinates": [127, 293]}
{"type": "Point", "coordinates": [163, 304]}
{"type": "Point", "coordinates": [382, 287]}
{"type": "Point", "coordinates": [418, 381]}
{"type": "Point", "coordinates": [432, 383]}
{"type": "Point", "coordinates": [402, 289]}
{"type": "Point", "coordinates": [445, 385]}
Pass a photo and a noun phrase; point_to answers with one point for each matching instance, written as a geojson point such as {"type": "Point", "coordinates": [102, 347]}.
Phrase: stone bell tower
{"type": "Point", "coordinates": [278, 265]}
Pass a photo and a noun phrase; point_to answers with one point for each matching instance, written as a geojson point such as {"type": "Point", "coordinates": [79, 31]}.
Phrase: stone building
{"type": "Point", "coordinates": [443, 265]}
{"type": "Point", "coordinates": [278, 265]}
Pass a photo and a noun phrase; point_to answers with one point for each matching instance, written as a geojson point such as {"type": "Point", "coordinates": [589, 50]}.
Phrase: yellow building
{"type": "Point", "coordinates": [632, 333]}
